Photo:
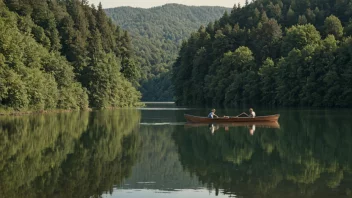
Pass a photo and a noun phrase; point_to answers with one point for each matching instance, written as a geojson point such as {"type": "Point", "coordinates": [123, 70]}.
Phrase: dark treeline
{"type": "Point", "coordinates": [82, 155]}
{"type": "Point", "coordinates": [157, 36]}
{"type": "Point", "coordinates": [64, 54]}
{"type": "Point", "coordinates": [309, 157]}
{"type": "Point", "coordinates": [271, 52]}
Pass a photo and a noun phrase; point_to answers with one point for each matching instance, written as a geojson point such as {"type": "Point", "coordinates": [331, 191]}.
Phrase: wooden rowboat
{"type": "Point", "coordinates": [274, 125]}
{"type": "Point", "coordinates": [197, 119]}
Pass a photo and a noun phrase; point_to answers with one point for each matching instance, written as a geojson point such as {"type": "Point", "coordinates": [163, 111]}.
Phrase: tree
{"type": "Point", "coordinates": [291, 16]}
{"type": "Point", "coordinates": [274, 11]}
{"type": "Point", "coordinates": [131, 71]}
{"type": "Point", "coordinates": [332, 25]}
{"type": "Point", "coordinates": [237, 64]}
{"type": "Point", "coordinates": [264, 17]}
{"type": "Point", "coordinates": [342, 70]}
{"type": "Point", "coordinates": [234, 8]}
{"type": "Point", "coordinates": [302, 20]}
{"type": "Point", "coordinates": [288, 81]}
{"type": "Point", "coordinates": [267, 37]}
{"type": "Point", "coordinates": [348, 29]}
{"type": "Point", "coordinates": [268, 74]}
{"type": "Point", "coordinates": [299, 36]}
{"type": "Point", "coordinates": [310, 16]}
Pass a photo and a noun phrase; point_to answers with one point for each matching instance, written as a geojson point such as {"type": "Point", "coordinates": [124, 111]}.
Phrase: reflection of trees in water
{"type": "Point", "coordinates": [159, 162]}
{"type": "Point", "coordinates": [308, 157]}
{"type": "Point", "coordinates": [66, 155]}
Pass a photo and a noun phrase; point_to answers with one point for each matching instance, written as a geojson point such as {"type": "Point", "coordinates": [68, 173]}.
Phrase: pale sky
{"type": "Point", "coordinates": [153, 3]}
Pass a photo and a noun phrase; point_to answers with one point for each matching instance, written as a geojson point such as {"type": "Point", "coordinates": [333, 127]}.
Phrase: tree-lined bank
{"type": "Point", "coordinates": [271, 52]}
{"type": "Point", "coordinates": [63, 55]}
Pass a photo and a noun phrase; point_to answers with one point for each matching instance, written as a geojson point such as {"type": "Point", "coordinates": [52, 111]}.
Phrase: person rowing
{"type": "Point", "coordinates": [250, 115]}
{"type": "Point", "coordinates": [212, 114]}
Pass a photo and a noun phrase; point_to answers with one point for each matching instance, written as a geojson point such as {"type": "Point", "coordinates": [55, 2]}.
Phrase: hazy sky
{"type": "Point", "coordinates": [153, 3]}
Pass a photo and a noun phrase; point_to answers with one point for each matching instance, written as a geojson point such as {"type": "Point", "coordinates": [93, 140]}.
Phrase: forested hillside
{"type": "Point", "coordinates": [63, 54]}
{"type": "Point", "coordinates": [271, 52]}
{"type": "Point", "coordinates": [157, 35]}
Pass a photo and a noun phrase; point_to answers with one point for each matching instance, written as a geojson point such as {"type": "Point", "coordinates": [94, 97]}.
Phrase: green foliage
{"type": "Point", "coordinates": [298, 37]}
{"type": "Point", "coordinates": [158, 88]}
{"type": "Point", "coordinates": [267, 75]}
{"type": "Point", "coordinates": [131, 71]}
{"type": "Point", "coordinates": [333, 26]}
{"type": "Point", "coordinates": [108, 87]}
{"type": "Point", "coordinates": [299, 57]}
{"type": "Point", "coordinates": [32, 77]}
{"type": "Point", "coordinates": [302, 20]}
{"type": "Point", "coordinates": [53, 52]}
{"type": "Point", "coordinates": [157, 35]}
{"type": "Point", "coordinates": [234, 66]}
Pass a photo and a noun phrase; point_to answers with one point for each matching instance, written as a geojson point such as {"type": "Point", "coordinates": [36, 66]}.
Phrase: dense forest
{"type": "Point", "coordinates": [64, 54]}
{"type": "Point", "coordinates": [308, 157]}
{"type": "Point", "coordinates": [157, 36]}
{"type": "Point", "coordinates": [270, 52]}
{"type": "Point", "coordinates": [72, 159]}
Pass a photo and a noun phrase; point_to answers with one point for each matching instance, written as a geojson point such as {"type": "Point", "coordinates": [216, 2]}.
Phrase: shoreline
{"type": "Point", "coordinates": [21, 113]}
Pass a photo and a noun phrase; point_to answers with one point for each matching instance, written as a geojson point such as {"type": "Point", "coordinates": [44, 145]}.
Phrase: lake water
{"type": "Point", "coordinates": [151, 152]}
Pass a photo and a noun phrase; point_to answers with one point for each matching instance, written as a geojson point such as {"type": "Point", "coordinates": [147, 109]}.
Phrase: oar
{"type": "Point", "coordinates": [242, 114]}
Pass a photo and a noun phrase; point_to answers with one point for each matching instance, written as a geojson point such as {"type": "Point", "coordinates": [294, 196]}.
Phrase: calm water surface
{"type": "Point", "coordinates": [151, 152]}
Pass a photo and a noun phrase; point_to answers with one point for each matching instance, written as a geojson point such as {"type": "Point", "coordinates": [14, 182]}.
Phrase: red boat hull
{"type": "Point", "coordinates": [197, 119]}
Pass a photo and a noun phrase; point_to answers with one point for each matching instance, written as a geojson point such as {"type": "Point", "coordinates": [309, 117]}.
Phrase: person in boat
{"type": "Point", "coordinates": [212, 114]}
{"type": "Point", "coordinates": [250, 115]}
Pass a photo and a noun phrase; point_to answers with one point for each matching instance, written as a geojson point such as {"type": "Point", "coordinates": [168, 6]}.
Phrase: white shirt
{"type": "Point", "coordinates": [252, 115]}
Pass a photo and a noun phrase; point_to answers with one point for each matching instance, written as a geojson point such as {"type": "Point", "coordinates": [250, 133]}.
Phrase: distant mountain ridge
{"type": "Point", "coordinates": [157, 35]}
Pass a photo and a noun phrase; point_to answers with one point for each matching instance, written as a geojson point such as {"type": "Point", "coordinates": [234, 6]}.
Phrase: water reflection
{"type": "Point", "coordinates": [159, 167]}
{"type": "Point", "coordinates": [309, 156]}
{"type": "Point", "coordinates": [251, 129]}
{"type": "Point", "coordinates": [132, 153]}
{"type": "Point", "coordinates": [213, 127]}
{"type": "Point", "coordinates": [66, 155]}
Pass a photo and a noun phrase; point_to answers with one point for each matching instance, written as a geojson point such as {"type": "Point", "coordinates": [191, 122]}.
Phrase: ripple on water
{"type": "Point", "coordinates": [162, 109]}
{"type": "Point", "coordinates": [163, 123]}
